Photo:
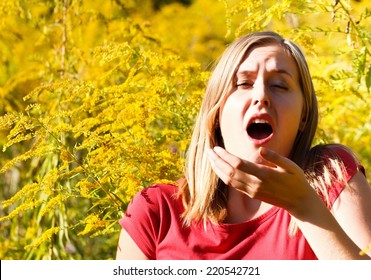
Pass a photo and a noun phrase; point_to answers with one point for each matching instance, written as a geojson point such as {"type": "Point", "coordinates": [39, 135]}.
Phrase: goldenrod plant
{"type": "Point", "coordinates": [99, 98]}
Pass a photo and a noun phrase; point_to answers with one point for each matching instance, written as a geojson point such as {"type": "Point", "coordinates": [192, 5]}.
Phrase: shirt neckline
{"type": "Point", "coordinates": [249, 223]}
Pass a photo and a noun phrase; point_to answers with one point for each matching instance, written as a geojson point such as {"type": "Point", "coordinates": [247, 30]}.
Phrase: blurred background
{"type": "Point", "coordinates": [98, 100]}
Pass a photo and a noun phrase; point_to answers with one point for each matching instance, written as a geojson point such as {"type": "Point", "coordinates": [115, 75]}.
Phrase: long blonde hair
{"type": "Point", "coordinates": [204, 195]}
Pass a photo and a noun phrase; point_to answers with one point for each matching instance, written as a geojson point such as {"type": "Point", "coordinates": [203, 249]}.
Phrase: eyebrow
{"type": "Point", "coordinates": [275, 70]}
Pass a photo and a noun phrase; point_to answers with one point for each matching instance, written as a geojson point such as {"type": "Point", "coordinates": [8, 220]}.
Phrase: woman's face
{"type": "Point", "coordinates": [265, 107]}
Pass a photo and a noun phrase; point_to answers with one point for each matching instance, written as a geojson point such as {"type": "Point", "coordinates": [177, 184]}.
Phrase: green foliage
{"type": "Point", "coordinates": [99, 100]}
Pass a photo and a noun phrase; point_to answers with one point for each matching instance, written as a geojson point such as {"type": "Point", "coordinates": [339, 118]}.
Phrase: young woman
{"type": "Point", "coordinates": [254, 188]}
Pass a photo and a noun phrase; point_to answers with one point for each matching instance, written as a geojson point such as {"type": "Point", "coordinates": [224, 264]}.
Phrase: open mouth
{"type": "Point", "coordinates": [259, 129]}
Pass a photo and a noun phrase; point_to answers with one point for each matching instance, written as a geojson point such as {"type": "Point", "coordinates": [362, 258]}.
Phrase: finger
{"type": "Point", "coordinates": [229, 175]}
{"type": "Point", "coordinates": [231, 159]}
{"type": "Point", "coordinates": [236, 162]}
{"type": "Point", "coordinates": [278, 160]}
{"type": "Point", "coordinates": [219, 165]}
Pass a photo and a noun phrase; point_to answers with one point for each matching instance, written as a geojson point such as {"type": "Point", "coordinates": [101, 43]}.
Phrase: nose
{"type": "Point", "coordinates": [261, 96]}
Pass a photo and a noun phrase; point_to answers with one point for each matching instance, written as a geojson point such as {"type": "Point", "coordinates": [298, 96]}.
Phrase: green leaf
{"type": "Point", "coordinates": [368, 79]}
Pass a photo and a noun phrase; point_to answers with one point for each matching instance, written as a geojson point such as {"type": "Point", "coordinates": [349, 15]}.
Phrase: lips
{"type": "Point", "coordinates": [260, 128]}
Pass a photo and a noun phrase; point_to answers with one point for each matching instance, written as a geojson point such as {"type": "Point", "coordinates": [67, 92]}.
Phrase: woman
{"type": "Point", "coordinates": [254, 188]}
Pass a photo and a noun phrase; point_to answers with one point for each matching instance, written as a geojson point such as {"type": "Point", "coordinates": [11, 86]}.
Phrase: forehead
{"type": "Point", "coordinates": [271, 57]}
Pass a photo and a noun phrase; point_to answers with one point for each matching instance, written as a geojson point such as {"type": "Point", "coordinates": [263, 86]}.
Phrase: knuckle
{"type": "Point", "coordinates": [255, 190]}
{"type": "Point", "coordinates": [237, 163]}
{"type": "Point", "coordinates": [231, 173]}
{"type": "Point", "coordinates": [253, 193]}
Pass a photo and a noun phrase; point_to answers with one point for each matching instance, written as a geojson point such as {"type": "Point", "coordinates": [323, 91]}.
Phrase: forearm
{"type": "Point", "coordinates": [324, 234]}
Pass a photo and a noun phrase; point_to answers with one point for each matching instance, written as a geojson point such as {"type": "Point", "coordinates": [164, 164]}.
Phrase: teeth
{"type": "Point", "coordinates": [259, 121]}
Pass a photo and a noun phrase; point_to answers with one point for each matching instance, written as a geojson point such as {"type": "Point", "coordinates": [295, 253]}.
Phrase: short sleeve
{"type": "Point", "coordinates": [351, 164]}
{"type": "Point", "coordinates": [142, 220]}
{"type": "Point", "coordinates": [351, 167]}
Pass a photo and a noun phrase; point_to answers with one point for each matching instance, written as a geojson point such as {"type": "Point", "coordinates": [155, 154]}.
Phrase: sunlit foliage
{"type": "Point", "coordinates": [98, 100]}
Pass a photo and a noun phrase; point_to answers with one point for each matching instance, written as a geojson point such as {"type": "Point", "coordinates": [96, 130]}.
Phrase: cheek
{"type": "Point", "coordinates": [232, 112]}
{"type": "Point", "coordinates": [231, 122]}
{"type": "Point", "coordinates": [291, 113]}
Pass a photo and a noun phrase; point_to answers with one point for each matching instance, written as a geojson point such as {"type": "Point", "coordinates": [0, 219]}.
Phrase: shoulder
{"type": "Point", "coordinates": [158, 190]}
{"type": "Point", "coordinates": [153, 197]}
{"type": "Point", "coordinates": [348, 158]}
{"type": "Point", "coordinates": [336, 153]}
{"type": "Point", "coordinates": [153, 201]}
{"type": "Point", "coordinates": [332, 166]}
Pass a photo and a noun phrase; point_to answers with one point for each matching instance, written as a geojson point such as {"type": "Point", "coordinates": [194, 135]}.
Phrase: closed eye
{"type": "Point", "coordinates": [278, 83]}
{"type": "Point", "coordinates": [281, 87]}
{"type": "Point", "coordinates": [244, 85]}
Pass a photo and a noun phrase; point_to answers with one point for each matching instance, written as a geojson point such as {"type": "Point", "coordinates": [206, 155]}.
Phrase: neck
{"type": "Point", "coordinates": [242, 208]}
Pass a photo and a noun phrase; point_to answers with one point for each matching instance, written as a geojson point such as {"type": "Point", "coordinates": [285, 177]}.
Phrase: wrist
{"type": "Point", "coordinates": [309, 207]}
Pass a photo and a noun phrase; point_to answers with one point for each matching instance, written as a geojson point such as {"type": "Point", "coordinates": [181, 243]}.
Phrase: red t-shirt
{"type": "Point", "coordinates": [153, 222]}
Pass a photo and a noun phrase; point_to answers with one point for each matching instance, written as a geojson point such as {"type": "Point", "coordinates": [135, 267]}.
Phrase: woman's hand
{"type": "Point", "coordinates": [278, 181]}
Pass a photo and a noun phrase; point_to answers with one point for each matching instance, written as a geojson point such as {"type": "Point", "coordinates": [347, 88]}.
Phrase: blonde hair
{"type": "Point", "coordinates": [204, 195]}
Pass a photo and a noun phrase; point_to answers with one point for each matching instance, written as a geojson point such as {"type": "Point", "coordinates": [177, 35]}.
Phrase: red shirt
{"type": "Point", "coordinates": [153, 222]}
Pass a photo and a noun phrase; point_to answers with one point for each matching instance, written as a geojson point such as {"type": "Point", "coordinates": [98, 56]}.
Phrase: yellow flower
{"type": "Point", "coordinates": [44, 237]}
